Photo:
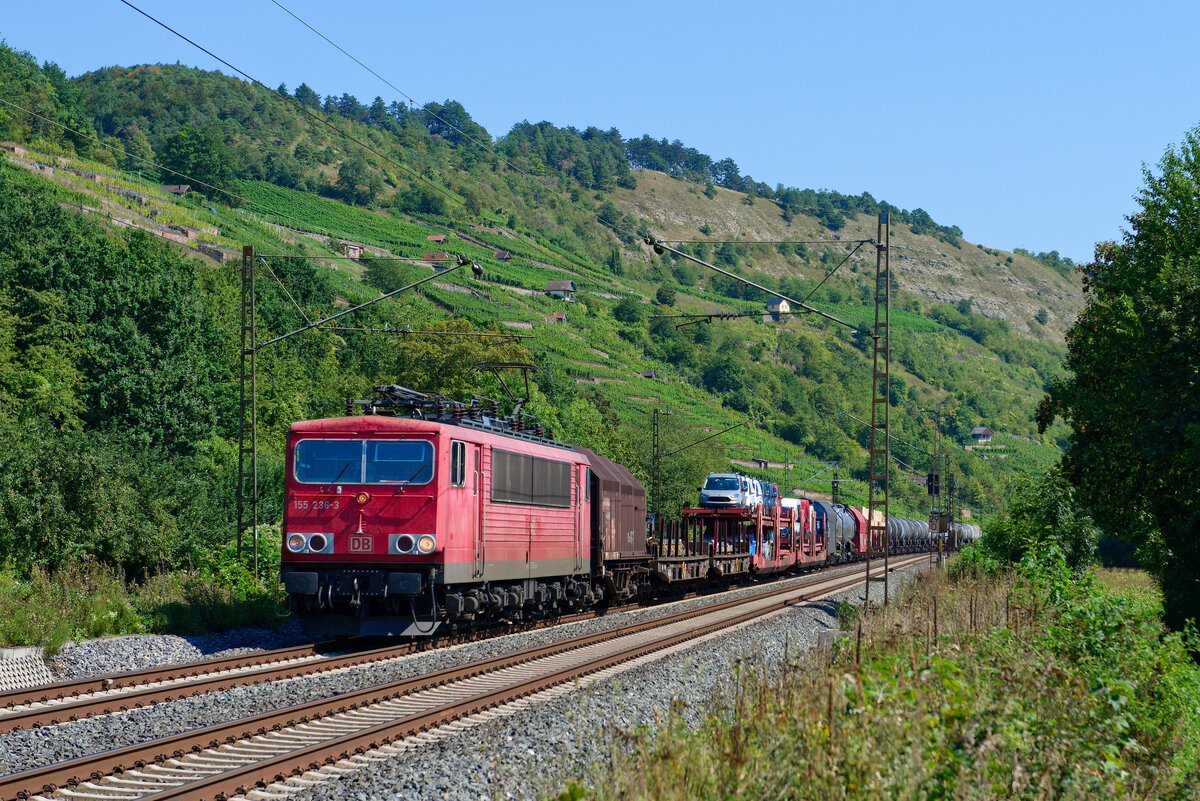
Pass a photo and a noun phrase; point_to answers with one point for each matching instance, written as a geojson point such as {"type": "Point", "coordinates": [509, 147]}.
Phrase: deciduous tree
{"type": "Point", "coordinates": [1133, 393]}
{"type": "Point", "coordinates": [192, 156]}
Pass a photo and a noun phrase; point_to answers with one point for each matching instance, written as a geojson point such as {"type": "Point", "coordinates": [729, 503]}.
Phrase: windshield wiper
{"type": "Point", "coordinates": [338, 478]}
{"type": "Point", "coordinates": [404, 482]}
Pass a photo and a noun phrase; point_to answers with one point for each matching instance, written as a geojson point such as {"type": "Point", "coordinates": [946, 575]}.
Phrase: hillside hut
{"type": "Point", "coordinates": [981, 434]}
{"type": "Point", "coordinates": [561, 289]}
{"type": "Point", "coordinates": [778, 307]}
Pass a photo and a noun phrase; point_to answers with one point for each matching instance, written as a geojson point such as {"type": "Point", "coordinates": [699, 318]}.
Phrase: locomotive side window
{"type": "Point", "coordinates": [458, 464]}
{"type": "Point", "coordinates": [399, 461]}
{"type": "Point", "coordinates": [328, 461]}
{"type": "Point", "coordinates": [517, 478]}
{"type": "Point", "coordinates": [551, 483]}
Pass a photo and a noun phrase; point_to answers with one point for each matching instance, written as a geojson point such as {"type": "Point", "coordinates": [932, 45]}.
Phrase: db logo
{"type": "Point", "coordinates": [360, 543]}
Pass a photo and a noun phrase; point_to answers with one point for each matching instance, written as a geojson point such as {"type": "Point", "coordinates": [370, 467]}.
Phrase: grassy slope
{"type": "Point", "coordinates": [925, 266]}
{"type": "Point", "coordinates": [610, 364]}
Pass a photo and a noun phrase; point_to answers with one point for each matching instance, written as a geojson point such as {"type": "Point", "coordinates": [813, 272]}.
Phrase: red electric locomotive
{"type": "Point", "coordinates": [424, 512]}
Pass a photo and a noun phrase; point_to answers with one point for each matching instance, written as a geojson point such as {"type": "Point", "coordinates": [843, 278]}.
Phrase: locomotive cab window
{"type": "Point", "coordinates": [458, 464]}
{"type": "Point", "coordinates": [328, 461]}
{"type": "Point", "coordinates": [399, 461]}
{"type": "Point", "coordinates": [356, 461]}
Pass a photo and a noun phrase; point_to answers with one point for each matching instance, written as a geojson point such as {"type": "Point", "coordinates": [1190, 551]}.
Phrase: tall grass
{"type": "Point", "coordinates": [1030, 685]}
{"type": "Point", "coordinates": [87, 599]}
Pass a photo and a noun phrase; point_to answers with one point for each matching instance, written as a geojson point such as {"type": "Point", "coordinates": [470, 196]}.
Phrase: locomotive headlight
{"type": "Point", "coordinates": [405, 543]}
{"type": "Point", "coordinates": [296, 542]}
{"type": "Point", "coordinates": [426, 543]}
{"type": "Point", "coordinates": [317, 542]}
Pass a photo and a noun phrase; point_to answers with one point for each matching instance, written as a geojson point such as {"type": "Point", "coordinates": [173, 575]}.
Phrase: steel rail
{"type": "Point", "coordinates": [77, 687]}
{"type": "Point", "coordinates": [186, 687]}
{"type": "Point", "coordinates": [51, 704]}
{"type": "Point", "coordinates": [91, 768]}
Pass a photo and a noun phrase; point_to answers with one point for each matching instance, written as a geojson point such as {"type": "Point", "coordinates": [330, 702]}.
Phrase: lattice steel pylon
{"type": "Point", "coordinates": [880, 452]}
{"type": "Point", "coordinates": [247, 483]}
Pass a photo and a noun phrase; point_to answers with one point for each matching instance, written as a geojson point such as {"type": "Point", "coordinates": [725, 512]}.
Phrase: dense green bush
{"type": "Point", "coordinates": [86, 599]}
{"type": "Point", "coordinates": [1042, 513]}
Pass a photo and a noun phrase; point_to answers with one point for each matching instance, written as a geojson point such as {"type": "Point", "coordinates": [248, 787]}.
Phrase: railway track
{"type": "Point", "coordinates": [51, 704]}
{"type": "Point", "coordinates": [233, 758]}
{"type": "Point", "coordinates": [72, 700]}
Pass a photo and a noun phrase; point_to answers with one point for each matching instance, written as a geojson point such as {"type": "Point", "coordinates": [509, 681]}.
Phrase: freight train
{"type": "Point", "coordinates": [422, 514]}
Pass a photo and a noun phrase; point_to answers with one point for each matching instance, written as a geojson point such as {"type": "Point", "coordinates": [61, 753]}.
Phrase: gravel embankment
{"type": "Point", "coordinates": [519, 755]}
{"type": "Point", "coordinates": [78, 660]}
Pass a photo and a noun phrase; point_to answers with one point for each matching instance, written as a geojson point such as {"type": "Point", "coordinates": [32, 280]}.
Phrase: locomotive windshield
{"type": "Point", "coordinates": [721, 483]}
{"type": "Point", "coordinates": [356, 461]}
{"type": "Point", "coordinates": [399, 461]}
{"type": "Point", "coordinates": [328, 461]}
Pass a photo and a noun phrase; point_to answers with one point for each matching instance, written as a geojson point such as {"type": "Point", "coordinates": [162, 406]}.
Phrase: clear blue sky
{"type": "Point", "coordinates": [1025, 123]}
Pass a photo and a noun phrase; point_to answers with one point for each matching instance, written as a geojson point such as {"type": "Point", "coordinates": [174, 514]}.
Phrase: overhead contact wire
{"type": "Point", "coordinates": [395, 88]}
{"type": "Point", "coordinates": [303, 108]}
{"type": "Point", "coordinates": [487, 145]}
{"type": "Point", "coordinates": [829, 274]}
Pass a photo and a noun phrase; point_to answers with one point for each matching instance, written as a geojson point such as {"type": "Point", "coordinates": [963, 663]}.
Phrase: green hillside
{"type": "Point", "coordinates": [118, 304]}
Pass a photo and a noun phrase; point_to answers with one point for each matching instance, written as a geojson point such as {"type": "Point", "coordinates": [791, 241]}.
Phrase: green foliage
{"type": "Point", "coordinates": [1060, 264]}
{"type": "Point", "coordinates": [1041, 514]}
{"type": "Point", "coordinates": [111, 329]}
{"type": "Point", "coordinates": [356, 183]}
{"type": "Point", "coordinates": [1031, 685]}
{"type": "Point", "coordinates": [976, 560]}
{"type": "Point", "coordinates": [46, 92]}
{"type": "Point", "coordinates": [1131, 396]}
{"type": "Point", "coordinates": [82, 600]}
{"type": "Point", "coordinates": [594, 158]}
{"type": "Point", "coordinates": [327, 216]}
{"type": "Point", "coordinates": [665, 295]}
{"type": "Point", "coordinates": [574, 792]}
{"type": "Point", "coordinates": [628, 310]}
{"type": "Point", "coordinates": [422, 199]}
{"type": "Point", "coordinates": [614, 263]}
{"type": "Point", "coordinates": [85, 599]}
{"type": "Point", "coordinates": [200, 159]}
